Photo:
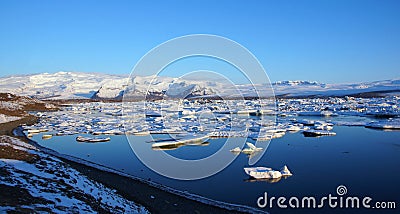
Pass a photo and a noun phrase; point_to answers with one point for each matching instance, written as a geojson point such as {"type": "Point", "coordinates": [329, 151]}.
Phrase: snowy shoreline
{"type": "Point", "coordinates": [35, 181]}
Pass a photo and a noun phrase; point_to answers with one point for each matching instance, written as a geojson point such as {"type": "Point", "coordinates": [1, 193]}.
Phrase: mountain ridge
{"type": "Point", "coordinates": [84, 85]}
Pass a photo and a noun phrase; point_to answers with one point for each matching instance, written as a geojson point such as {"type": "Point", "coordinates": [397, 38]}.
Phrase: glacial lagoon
{"type": "Point", "coordinates": [365, 160]}
{"type": "Point", "coordinates": [362, 159]}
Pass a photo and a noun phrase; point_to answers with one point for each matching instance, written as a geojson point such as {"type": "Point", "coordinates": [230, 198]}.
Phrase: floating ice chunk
{"type": "Point", "coordinates": [46, 136]}
{"type": "Point", "coordinates": [285, 171]}
{"type": "Point", "coordinates": [253, 147]}
{"type": "Point", "coordinates": [293, 128]}
{"type": "Point", "coordinates": [390, 124]}
{"type": "Point", "coordinates": [315, 133]}
{"type": "Point", "coordinates": [235, 150]}
{"type": "Point", "coordinates": [92, 140]}
{"type": "Point", "coordinates": [262, 173]}
{"type": "Point", "coordinates": [248, 151]}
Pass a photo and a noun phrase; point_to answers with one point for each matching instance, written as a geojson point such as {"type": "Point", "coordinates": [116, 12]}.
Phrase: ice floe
{"type": "Point", "coordinates": [218, 118]}
{"type": "Point", "coordinates": [266, 172]}
{"type": "Point", "coordinates": [389, 124]}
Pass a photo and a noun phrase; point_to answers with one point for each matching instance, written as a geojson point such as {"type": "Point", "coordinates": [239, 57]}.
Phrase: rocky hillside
{"type": "Point", "coordinates": [13, 105]}
{"type": "Point", "coordinates": [14, 111]}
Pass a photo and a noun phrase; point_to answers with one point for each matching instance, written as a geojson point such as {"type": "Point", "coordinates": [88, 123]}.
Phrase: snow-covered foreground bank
{"type": "Point", "coordinates": [6, 118]}
{"type": "Point", "coordinates": [35, 181]}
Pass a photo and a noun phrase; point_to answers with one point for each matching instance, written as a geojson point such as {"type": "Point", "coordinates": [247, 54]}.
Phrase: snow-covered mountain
{"type": "Point", "coordinates": [306, 88]}
{"type": "Point", "coordinates": [138, 87]}
{"type": "Point", "coordinates": [69, 85]}
{"type": "Point", "coordinates": [296, 82]}
{"type": "Point", "coordinates": [60, 85]}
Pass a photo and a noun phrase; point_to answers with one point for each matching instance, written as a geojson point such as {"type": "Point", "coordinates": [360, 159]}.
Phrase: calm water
{"type": "Point", "coordinates": [366, 161]}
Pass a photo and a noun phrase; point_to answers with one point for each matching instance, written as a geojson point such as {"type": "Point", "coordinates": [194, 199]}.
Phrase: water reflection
{"type": "Point", "coordinates": [175, 145]}
{"type": "Point", "coordinates": [268, 180]}
{"type": "Point", "coordinates": [333, 160]}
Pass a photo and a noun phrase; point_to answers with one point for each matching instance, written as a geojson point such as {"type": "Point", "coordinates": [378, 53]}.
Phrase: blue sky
{"type": "Point", "coordinates": [323, 40]}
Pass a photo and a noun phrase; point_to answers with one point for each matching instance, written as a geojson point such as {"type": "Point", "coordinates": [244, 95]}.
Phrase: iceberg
{"type": "Point", "coordinates": [235, 150]}
{"type": "Point", "coordinates": [390, 124]}
{"type": "Point", "coordinates": [316, 133]}
{"type": "Point", "coordinates": [266, 173]}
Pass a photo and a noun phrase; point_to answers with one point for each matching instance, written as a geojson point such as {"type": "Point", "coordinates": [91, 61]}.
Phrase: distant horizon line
{"type": "Point", "coordinates": [127, 75]}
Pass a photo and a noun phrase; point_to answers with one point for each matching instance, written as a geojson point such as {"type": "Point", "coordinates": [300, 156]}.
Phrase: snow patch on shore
{"type": "Point", "coordinates": [5, 118]}
{"type": "Point", "coordinates": [65, 189]}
